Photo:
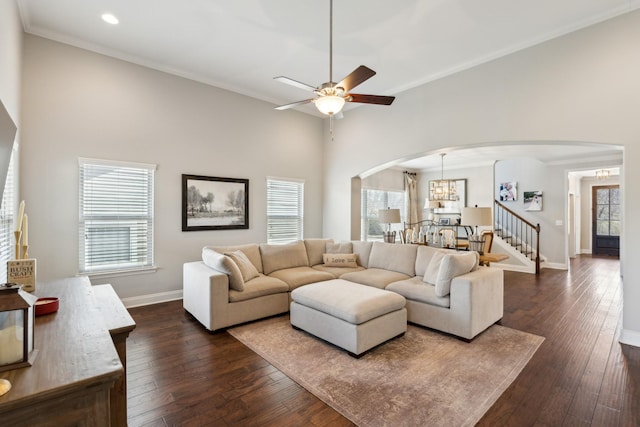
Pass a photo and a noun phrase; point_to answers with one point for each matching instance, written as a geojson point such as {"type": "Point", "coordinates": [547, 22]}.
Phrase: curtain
{"type": "Point", "coordinates": [411, 197]}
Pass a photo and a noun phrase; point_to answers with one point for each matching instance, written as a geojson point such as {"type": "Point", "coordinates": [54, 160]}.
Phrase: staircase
{"type": "Point", "coordinates": [518, 233]}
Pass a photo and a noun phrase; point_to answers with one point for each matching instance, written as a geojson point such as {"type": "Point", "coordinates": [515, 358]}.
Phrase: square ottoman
{"type": "Point", "coordinates": [349, 315]}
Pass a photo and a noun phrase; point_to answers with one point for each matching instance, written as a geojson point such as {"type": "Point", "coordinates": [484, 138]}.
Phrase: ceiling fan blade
{"type": "Point", "coordinates": [293, 104]}
{"type": "Point", "coordinates": [357, 76]}
{"type": "Point", "coordinates": [295, 83]}
{"type": "Point", "coordinates": [372, 99]}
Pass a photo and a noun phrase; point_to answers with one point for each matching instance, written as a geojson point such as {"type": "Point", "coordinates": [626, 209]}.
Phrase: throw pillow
{"type": "Point", "coordinates": [340, 260]}
{"type": "Point", "coordinates": [225, 265]}
{"type": "Point", "coordinates": [431, 272]}
{"type": "Point", "coordinates": [453, 265]}
{"type": "Point", "coordinates": [339, 248]}
{"type": "Point", "coordinates": [247, 269]}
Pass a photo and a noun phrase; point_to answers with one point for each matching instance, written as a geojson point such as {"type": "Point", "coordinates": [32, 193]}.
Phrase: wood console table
{"type": "Point", "coordinates": [71, 380]}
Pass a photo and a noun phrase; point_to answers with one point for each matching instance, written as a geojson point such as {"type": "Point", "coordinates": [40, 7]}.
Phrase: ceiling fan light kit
{"type": "Point", "coordinates": [330, 96]}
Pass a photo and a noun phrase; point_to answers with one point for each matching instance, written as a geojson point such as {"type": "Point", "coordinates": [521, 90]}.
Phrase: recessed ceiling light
{"type": "Point", "coordinates": [110, 19]}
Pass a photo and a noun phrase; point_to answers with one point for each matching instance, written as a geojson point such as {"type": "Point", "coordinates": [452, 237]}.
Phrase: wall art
{"type": "Point", "coordinates": [214, 203]}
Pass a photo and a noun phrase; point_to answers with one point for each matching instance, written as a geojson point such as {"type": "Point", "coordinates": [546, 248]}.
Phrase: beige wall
{"type": "Point", "coordinates": [10, 58]}
{"type": "Point", "coordinates": [81, 104]}
{"type": "Point", "coordinates": [580, 87]}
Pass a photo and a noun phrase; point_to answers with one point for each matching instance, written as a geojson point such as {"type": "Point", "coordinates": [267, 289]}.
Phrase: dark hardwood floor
{"type": "Point", "coordinates": [180, 374]}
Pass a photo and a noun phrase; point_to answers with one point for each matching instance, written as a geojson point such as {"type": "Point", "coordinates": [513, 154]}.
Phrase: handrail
{"type": "Point", "coordinates": [520, 231]}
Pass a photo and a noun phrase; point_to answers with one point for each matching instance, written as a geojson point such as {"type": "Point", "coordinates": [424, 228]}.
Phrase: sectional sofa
{"type": "Point", "coordinates": [444, 290]}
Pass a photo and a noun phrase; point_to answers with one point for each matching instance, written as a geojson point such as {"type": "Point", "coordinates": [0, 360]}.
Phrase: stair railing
{"type": "Point", "coordinates": [518, 232]}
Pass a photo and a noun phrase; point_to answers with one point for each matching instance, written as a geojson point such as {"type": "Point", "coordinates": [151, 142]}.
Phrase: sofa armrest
{"type": "Point", "coordinates": [205, 293]}
{"type": "Point", "coordinates": [477, 298]}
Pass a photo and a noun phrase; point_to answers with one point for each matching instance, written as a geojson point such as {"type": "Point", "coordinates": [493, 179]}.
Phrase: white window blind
{"type": "Point", "coordinates": [285, 210]}
{"type": "Point", "coordinates": [7, 238]}
{"type": "Point", "coordinates": [372, 201]}
{"type": "Point", "coordinates": [116, 216]}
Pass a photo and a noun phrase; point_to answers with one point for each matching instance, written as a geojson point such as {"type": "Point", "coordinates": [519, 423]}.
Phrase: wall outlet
{"type": "Point", "coordinates": [559, 222]}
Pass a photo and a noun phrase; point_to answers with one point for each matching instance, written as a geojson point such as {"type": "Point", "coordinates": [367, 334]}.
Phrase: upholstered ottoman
{"type": "Point", "coordinates": [352, 316]}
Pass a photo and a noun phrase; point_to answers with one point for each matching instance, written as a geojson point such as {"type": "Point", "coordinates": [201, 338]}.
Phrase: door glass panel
{"type": "Point", "coordinates": [615, 196]}
{"type": "Point", "coordinates": [602, 228]}
{"type": "Point", "coordinates": [602, 197]}
{"type": "Point", "coordinates": [615, 228]}
{"type": "Point", "coordinates": [614, 212]}
{"type": "Point", "coordinates": [603, 213]}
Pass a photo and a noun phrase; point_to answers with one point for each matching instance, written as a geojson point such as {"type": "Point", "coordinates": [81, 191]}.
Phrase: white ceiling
{"type": "Point", "coordinates": [242, 45]}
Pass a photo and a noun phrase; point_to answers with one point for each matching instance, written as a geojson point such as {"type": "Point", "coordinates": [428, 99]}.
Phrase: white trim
{"type": "Point", "coordinates": [277, 178]}
{"type": "Point", "coordinates": [103, 162]}
{"type": "Point", "coordinates": [585, 251]}
{"type": "Point", "coordinates": [152, 299]}
{"type": "Point", "coordinates": [514, 267]}
{"type": "Point", "coordinates": [117, 273]}
{"type": "Point", "coordinates": [630, 337]}
{"type": "Point", "coordinates": [554, 265]}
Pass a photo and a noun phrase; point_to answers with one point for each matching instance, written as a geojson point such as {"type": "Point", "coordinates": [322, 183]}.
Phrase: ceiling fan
{"type": "Point", "coordinates": [330, 96]}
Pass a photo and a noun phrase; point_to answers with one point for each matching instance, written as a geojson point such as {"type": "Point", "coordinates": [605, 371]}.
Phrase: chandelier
{"type": "Point", "coordinates": [602, 174]}
{"type": "Point", "coordinates": [442, 189]}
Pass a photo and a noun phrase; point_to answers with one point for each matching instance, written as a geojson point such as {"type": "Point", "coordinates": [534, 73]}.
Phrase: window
{"type": "Point", "coordinates": [285, 210]}
{"type": "Point", "coordinates": [374, 200]}
{"type": "Point", "coordinates": [116, 216]}
{"type": "Point", "coordinates": [7, 238]}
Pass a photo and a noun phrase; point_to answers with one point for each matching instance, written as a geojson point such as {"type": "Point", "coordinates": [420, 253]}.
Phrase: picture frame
{"type": "Point", "coordinates": [508, 191]}
{"type": "Point", "coordinates": [532, 200]}
{"type": "Point", "coordinates": [214, 203]}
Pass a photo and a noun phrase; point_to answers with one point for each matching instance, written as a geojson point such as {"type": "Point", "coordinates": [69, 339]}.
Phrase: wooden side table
{"type": "Point", "coordinates": [488, 258]}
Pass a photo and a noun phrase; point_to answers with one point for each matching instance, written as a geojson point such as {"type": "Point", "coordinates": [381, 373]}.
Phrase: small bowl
{"type": "Point", "coordinates": [46, 305]}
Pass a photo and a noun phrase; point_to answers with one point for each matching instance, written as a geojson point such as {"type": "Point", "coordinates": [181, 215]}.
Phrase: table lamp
{"type": "Point", "coordinates": [475, 217]}
{"type": "Point", "coordinates": [389, 216]}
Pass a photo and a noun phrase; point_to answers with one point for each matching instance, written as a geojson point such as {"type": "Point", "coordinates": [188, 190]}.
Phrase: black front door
{"type": "Point", "coordinates": [606, 220]}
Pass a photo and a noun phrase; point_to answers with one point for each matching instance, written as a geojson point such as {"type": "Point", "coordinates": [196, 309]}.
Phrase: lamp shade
{"type": "Point", "coordinates": [389, 216]}
{"type": "Point", "coordinates": [476, 216]}
{"type": "Point", "coordinates": [330, 104]}
{"type": "Point", "coordinates": [431, 204]}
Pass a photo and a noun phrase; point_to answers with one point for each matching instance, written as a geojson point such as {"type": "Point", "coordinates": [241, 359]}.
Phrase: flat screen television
{"type": "Point", "coordinates": [7, 137]}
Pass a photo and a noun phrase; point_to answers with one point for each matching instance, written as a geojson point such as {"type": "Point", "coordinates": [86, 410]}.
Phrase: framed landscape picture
{"type": "Point", "coordinates": [214, 203]}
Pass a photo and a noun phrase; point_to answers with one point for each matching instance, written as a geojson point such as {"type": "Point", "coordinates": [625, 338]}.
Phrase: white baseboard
{"type": "Point", "coordinates": [514, 267]}
{"type": "Point", "coordinates": [152, 299]}
{"type": "Point", "coordinates": [585, 251]}
{"type": "Point", "coordinates": [630, 337]}
{"type": "Point", "coordinates": [554, 265]}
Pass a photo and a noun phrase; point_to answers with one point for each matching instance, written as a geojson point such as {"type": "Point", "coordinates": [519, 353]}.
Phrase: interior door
{"type": "Point", "coordinates": [606, 214]}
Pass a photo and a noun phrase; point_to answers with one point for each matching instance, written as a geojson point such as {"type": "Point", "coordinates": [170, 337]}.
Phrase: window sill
{"type": "Point", "coordinates": [118, 273]}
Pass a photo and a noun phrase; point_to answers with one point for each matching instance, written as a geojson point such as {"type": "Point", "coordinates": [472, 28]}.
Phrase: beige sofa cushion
{"type": "Point", "coordinates": [339, 248]}
{"type": "Point", "coordinates": [315, 248]}
{"type": "Point", "coordinates": [225, 265]}
{"type": "Point", "coordinates": [363, 250]}
{"type": "Point", "coordinates": [340, 260]}
{"type": "Point", "coordinates": [247, 269]}
{"type": "Point", "coordinates": [337, 271]}
{"type": "Point", "coordinates": [453, 265]}
{"type": "Point", "coordinates": [431, 272]}
{"type": "Point", "coordinates": [398, 258]}
{"type": "Point", "coordinates": [424, 256]}
{"type": "Point", "coordinates": [375, 277]}
{"type": "Point", "coordinates": [298, 276]}
{"type": "Point", "coordinates": [251, 250]}
{"type": "Point", "coordinates": [258, 287]}
{"type": "Point", "coordinates": [279, 257]}
{"type": "Point", "coordinates": [414, 289]}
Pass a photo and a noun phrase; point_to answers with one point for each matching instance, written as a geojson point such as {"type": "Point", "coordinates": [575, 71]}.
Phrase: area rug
{"type": "Point", "coordinates": [423, 378]}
